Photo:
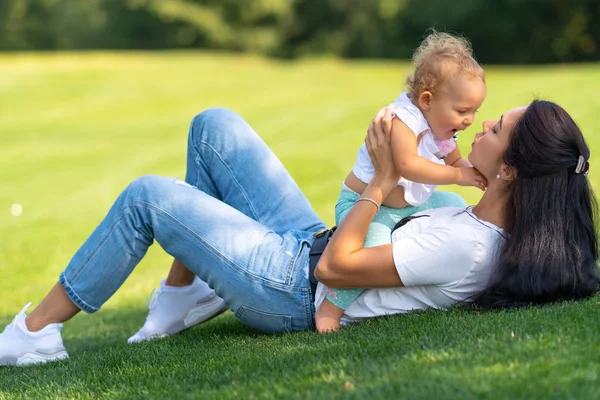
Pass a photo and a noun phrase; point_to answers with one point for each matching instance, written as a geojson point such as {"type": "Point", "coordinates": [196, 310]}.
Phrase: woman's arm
{"type": "Point", "coordinates": [345, 263]}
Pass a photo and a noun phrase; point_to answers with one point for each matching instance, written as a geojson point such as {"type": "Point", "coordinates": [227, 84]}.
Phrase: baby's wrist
{"type": "Point", "coordinates": [461, 162]}
{"type": "Point", "coordinates": [457, 175]}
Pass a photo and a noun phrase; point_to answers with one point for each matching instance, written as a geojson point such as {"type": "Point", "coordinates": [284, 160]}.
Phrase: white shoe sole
{"type": "Point", "coordinates": [33, 359]}
{"type": "Point", "coordinates": [195, 316]}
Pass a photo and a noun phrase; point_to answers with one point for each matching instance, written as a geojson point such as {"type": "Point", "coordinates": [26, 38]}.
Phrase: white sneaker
{"type": "Point", "coordinates": [174, 309]}
{"type": "Point", "coordinates": [19, 346]}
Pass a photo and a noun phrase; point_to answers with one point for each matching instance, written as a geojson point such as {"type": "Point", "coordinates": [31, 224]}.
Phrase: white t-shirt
{"type": "Point", "coordinates": [428, 147]}
{"type": "Point", "coordinates": [441, 259]}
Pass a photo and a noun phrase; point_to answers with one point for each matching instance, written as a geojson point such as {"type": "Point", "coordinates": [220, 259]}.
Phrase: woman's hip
{"type": "Point", "coordinates": [273, 306]}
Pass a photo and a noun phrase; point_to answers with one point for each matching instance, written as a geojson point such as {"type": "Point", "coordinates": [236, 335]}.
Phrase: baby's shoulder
{"type": "Point", "coordinates": [405, 105]}
{"type": "Point", "coordinates": [410, 115]}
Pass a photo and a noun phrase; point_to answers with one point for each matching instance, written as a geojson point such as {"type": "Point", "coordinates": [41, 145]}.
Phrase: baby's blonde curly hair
{"type": "Point", "coordinates": [439, 57]}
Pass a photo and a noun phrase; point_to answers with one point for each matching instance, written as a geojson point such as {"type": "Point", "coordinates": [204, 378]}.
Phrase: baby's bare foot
{"type": "Point", "coordinates": [328, 316]}
{"type": "Point", "coordinates": [327, 324]}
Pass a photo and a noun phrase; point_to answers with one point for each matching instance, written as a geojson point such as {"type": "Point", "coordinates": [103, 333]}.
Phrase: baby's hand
{"type": "Point", "coordinates": [469, 176]}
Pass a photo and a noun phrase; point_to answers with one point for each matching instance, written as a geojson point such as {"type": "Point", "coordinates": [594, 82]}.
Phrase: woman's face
{"type": "Point", "coordinates": [489, 146]}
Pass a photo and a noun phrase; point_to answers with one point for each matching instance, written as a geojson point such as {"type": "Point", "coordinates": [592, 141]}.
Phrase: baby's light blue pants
{"type": "Point", "coordinates": [381, 228]}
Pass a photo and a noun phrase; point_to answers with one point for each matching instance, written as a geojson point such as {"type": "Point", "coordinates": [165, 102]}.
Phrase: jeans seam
{"type": "Point", "coordinates": [240, 187]}
{"type": "Point", "coordinates": [292, 264]}
{"type": "Point", "coordinates": [308, 309]}
{"type": "Point", "coordinates": [230, 262]}
{"type": "Point", "coordinates": [87, 261]}
{"type": "Point", "coordinates": [288, 323]}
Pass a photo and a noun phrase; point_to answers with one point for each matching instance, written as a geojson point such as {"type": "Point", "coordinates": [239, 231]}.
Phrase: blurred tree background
{"type": "Point", "coordinates": [502, 31]}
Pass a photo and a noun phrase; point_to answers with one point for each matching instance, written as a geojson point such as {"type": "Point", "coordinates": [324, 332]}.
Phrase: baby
{"type": "Point", "coordinates": [444, 92]}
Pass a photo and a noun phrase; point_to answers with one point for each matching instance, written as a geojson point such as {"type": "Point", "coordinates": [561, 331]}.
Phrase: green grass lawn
{"type": "Point", "coordinates": [76, 128]}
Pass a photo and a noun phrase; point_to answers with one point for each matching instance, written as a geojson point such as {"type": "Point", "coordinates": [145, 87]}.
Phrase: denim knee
{"type": "Point", "coordinates": [213, 116]}
{"type": "Point", "coordinates": [143, 183]}
{"type": "Point", "coordinates": [145, 188]}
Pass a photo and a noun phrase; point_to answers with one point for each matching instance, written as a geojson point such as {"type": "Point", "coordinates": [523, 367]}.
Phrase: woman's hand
{"type": "Point", "coordinates": [378, 143]}
{"type": "Point", "coordinates": [345, 262]}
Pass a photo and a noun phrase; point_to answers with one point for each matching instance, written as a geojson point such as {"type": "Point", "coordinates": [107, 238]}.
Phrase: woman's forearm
{"type": "Point", "coordinates": [345, 263]}
{"type": "Point", "coordinates": [350, 235]}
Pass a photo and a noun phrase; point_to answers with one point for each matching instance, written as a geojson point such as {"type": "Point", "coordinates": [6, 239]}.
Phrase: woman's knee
{"type": "Point", "coordinates": [144, 186]}
{"type": "Point", "coordinates": [144, 181]}
{"type": "Point", "coordinates": [215, 117]}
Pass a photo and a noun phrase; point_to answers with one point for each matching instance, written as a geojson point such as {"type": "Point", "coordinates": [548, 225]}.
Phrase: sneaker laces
{"type": "Point", "coordinates": [13, 324]}
{"type": "Point", "coordinates": [153, 299]}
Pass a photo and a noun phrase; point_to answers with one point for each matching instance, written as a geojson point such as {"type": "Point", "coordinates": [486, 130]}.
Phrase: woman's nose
{"type": "Point", "coordinates": [488, 124]}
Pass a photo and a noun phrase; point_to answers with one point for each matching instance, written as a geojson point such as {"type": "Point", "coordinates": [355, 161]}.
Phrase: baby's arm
{"type": "Point", "coordinates": [415, 168]}
{"type": "Point", "coordinates": [456, 160]}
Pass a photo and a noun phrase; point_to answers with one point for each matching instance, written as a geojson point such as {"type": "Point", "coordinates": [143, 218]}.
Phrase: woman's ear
{"type": "Point", "coordinates": [425, 99]}
{"type": "Point", "coordinates": [507, 173]}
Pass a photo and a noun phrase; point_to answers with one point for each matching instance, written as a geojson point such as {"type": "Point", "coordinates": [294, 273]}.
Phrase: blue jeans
{"type": "Point", "coordinates": [239, 222]}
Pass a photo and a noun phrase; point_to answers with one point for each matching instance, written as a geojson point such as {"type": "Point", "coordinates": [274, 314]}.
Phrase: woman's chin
{"type": "Point", "coordinates": [470, 158]}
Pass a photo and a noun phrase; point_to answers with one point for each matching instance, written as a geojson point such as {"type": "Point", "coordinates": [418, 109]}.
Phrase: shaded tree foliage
{"type": "Point", "coordinates": [502, 31]}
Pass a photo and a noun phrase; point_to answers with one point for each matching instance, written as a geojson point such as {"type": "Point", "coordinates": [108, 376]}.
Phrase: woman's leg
{"type": "Point", "coordinates": [56, 307]}
{"type": "Point", "coordinates": [219, 164]}
{"type": "Point", "coordinates": [226, 159]}
{"type": "Point", "coordinates": [261, 274]}
{"type": "Point", "coordinates": [179, 275]}
{"type": "Point", "coordinates": [229, 161]}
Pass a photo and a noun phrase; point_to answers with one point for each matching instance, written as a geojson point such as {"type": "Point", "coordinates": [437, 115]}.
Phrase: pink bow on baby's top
{"type": "Point", "coordinates": [446, 146]}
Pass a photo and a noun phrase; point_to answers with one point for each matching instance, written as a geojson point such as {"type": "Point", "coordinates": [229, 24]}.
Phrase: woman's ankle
{"type": "Point", "coordinates": [56, 307]}
{"type": "Point", "coordinates": [33, 324]}
{"type": "Point", "coordinates": [179, 275]}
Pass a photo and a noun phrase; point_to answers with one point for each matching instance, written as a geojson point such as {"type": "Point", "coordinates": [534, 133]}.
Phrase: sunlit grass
{"type": "Point", "coordinates": [76, 128]}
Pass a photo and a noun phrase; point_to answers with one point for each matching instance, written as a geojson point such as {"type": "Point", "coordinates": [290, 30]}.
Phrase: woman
{"type": "Point", "coordinates": [250, 241]}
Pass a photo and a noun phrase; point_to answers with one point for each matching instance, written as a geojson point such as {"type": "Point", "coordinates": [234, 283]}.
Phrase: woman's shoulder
{"type": "Point", "coordinates": [464, 233]}
{"type": "Point", "coordinates": [472, 246]}
{"type": "Point", "coordinates": [476, 241]}
{"type": "Point", "coordinates": [449, 229]}
{"type": "Point", "coordinates": [471, 223]}
{"type": "Point", "coordinates": [443, 247]}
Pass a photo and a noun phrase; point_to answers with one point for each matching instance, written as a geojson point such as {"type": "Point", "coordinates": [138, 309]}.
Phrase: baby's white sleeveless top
{"type": "Point", "coordinates": [429, 147]}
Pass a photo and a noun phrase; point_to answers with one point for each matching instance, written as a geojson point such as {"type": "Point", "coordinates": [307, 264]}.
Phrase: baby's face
{"type": "Point", "coordinates": [453, 108]}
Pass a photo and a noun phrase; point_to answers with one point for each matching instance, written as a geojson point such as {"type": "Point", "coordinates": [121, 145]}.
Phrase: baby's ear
{"type": "Point", "coordinates": [425, 100]}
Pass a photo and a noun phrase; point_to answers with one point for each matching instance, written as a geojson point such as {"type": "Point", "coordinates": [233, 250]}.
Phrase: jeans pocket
{"type": "Point", "coordinates": [265, 322]}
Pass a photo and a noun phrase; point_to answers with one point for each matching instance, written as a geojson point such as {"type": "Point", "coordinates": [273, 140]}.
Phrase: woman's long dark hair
{"type": "Point", "coordinates": [551, 251]}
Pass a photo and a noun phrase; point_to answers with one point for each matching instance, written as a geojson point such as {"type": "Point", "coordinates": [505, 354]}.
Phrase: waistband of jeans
{"type": "Point", "coordinates": [316, 250]}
